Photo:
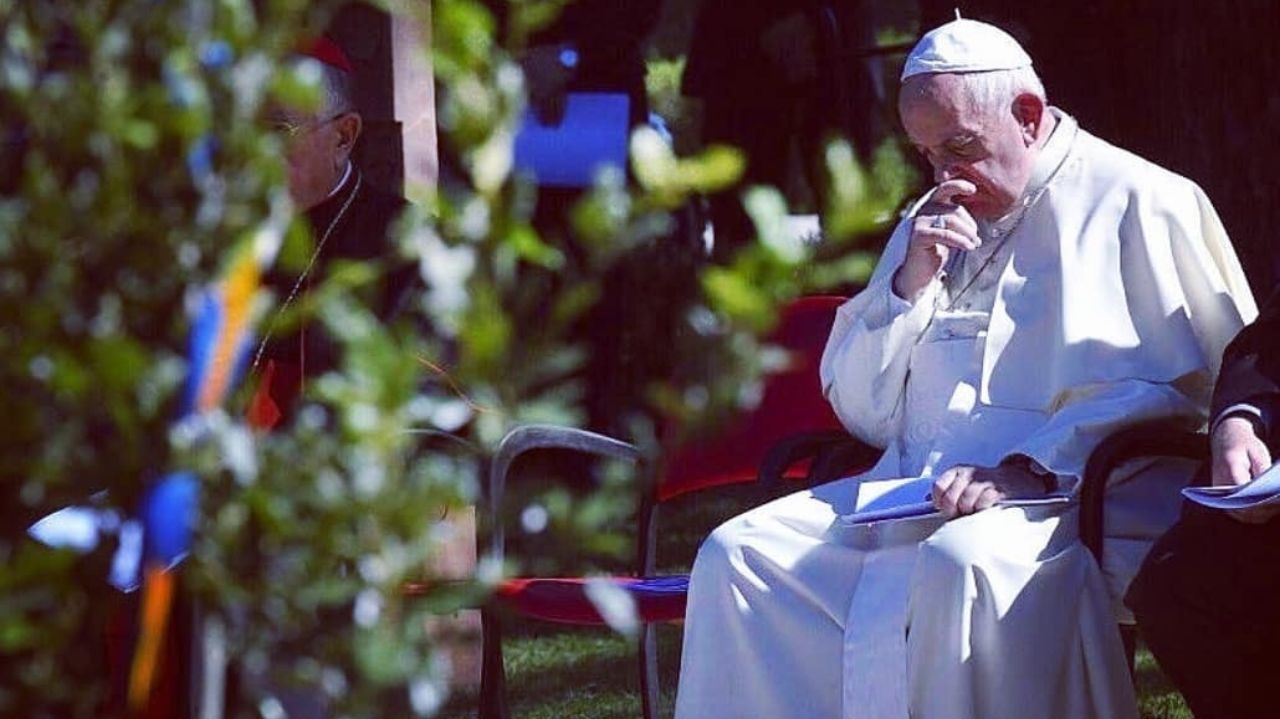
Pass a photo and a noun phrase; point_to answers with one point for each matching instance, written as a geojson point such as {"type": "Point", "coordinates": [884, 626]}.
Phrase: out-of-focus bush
{"type": "Point", "coordinates": [135, 155]}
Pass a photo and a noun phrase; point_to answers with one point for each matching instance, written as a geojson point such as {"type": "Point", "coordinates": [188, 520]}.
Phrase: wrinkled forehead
{"type": "Point", "coordinates": [945, 93]}
{"type": "Point", "coordinates": [935, 108]}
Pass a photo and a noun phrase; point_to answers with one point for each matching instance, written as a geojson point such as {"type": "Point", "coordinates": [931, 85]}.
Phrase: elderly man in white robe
{"type": "Point", "coordinates": [1048, 291]}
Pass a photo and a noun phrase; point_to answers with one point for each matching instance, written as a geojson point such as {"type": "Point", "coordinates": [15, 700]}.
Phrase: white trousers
{"type": "Point", "coordinates": [1000, 614]}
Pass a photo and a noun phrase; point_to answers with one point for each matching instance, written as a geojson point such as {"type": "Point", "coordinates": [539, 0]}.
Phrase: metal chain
{"type": "Point", "coordinates": [293, 293]}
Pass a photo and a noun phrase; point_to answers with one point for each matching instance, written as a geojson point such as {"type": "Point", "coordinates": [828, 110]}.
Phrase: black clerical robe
{"type": "Point", "coordinates": [352, 224]}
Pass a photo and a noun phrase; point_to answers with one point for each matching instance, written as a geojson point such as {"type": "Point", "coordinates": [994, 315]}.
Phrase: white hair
{"type": "Point", "coordinates": [335, 85]}
{"type": "Point", "coordinates": [995, 91]}
{"type": "Point", "coordinates": [337, 90]}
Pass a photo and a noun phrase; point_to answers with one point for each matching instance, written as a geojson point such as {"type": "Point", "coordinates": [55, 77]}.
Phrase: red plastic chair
{"type": "Point", "coordinates": [792, 419]}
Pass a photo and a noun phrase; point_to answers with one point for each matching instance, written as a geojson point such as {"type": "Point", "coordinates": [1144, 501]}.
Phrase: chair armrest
{"type": "Point", "coordinates": [832, 454]}
{"type": "Point", "coordinates": [543, 436]}
{"type": "Point", "coordinates": [1158, 438]}
{"type": "Point", "coordinates": [851, 456]}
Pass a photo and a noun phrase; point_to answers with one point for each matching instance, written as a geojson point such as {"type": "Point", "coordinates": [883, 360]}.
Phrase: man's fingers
{"type": "Point", "coordinates": [1259, 459]}
{"type": "Point", "coordinates": [937, 229]}
{"type": "Point", "coordinates": [968, 499]}
{"type": "Point", "coordinates": [1239, 454]}
{"type": "Point", "coordinates": [958, 240]}
{"type": "Point", "coordinates": [979, 495]}
{"type": "Point", "coordinates": [948, 482]}
{"type": "Point", "coordinates": [988, 499]}
{"type": "Point", "coordinates": [942, 229]}
{"type": "Point", "coordinates": [1222, 474]}
{"type": "Point", "coordinates": [948, 191]}
{"type": "Point", "coordinates": [956, 217]}
{"type": "Point", "coordinates": [949, 502]}
{"type": "Point", "coordinates": [1239, 468]}
{"type": "Point", "coordinates": [941, 221]}
{"type": "Point", "coordinates": [1256, 461]}
{"type": "Point", "coordinates": [940, 486]}
{"type": "Point", "coordinates": [962, 221]}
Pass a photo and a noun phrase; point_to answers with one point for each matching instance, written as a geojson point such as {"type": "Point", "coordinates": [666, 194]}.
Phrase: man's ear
{"type": "Point", "coordinates": [1028, 110]}
{"type": "Point", "coordinates": [349, 125]}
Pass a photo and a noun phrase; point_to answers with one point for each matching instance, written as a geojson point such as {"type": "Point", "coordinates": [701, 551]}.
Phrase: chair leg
{"type": "Point", "coordinates": [649, 671]}
{"type": "Point", "coordinates": [493, 679]}
{"type": "Point", "coordinates": [1129, 635]}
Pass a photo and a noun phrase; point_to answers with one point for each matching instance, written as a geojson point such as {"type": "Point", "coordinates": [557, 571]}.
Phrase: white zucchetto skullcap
{"type": "Point", "coordinates": [965, 46]}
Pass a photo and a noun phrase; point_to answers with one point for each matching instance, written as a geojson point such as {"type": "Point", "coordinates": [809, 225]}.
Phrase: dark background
{"type": "Point", "coordinates": [1193, 85]}
{"type": "Point", "coordinates": [1189, 84]}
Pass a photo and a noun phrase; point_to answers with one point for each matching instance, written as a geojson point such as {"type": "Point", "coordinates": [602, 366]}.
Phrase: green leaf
{"type": "Point", "coordinates": [529, 247]}
{"type": "Point", "coordinates": [141, 134]}
{"type": "Point", "coordinates": [768, 210]}
{"type": "Point", "coordinates": [716, 168]}
{"type": "Point", "coordinates": [653, 162]}
{"type": "Point", "coordinates": [486, 333]}
{"type": "Point", "coordinates": [736, 297]}
{"type": "Point", "coordinates": [118, 364]}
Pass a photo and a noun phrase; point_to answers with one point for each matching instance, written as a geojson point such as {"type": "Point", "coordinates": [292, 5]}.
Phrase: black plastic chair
{"type": "Point", "coordinates": [1153, 439]}
{"type": "Point", "coordinates": [1158, 438]}
{"type": "Point", "coordinates": [766, 447]}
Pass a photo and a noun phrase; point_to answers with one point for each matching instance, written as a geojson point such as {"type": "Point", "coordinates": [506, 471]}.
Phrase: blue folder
{"type": "Point", "coordinates": [593, 134]}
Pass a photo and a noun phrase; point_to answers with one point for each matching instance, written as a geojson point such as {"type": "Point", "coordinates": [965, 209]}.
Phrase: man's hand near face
{"type": "Point", "coordinates": [1239, 455]}
{"type": "Point", "coordinates": [964, 490]}
{"type": "Point", "coordinates": [940, 226]}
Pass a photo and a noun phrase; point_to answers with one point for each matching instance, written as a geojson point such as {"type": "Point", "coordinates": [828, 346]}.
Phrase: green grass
{"type": "Point", "coordinates": [557, 671]}
{"type": "Point", "coordinates": [1157, 699]}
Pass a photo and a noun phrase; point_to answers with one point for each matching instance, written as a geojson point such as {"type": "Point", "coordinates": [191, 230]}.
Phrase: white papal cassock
{"type": "Point", "coordinates": [1105, 299]}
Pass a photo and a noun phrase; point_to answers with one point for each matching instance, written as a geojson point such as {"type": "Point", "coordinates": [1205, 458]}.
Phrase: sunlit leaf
{"type": "Point", "coordinates": [768, 210]}
{"type": "Point", "coordinates": [615, 605]}
{"type": "Point", "coordinates": [716, 168]}
{"type": "Point", "coordinates": [530, 247]}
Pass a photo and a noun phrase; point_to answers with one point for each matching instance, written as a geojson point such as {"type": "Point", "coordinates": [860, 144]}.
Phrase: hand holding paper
{"type": "Point", "coordinates": [1264, 491]}
{"type": "Point", "coordinates": [900, 499]}
{"type": "Point", "coordinates": [965, 489]}
{"type": "Point", "coordinates": [1238, 457]}
{"type": "Point", "coordinates": [1239, 454]}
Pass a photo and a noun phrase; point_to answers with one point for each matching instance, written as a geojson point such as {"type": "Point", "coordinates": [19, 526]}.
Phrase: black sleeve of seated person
{"type": "Point", "coordinates": [1251, 370]}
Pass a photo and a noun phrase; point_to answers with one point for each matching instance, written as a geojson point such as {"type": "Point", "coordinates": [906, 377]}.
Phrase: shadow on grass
{"type": "Point", "coordinates": [555, 671]}
{"type": "Point", "coordinates": [560, 671]}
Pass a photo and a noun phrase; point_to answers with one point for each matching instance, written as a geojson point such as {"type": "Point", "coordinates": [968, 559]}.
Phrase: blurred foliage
{"type": "Point", "coordinates": [134, 156]}
{"type": "Point", "coordinates": [662, 82]}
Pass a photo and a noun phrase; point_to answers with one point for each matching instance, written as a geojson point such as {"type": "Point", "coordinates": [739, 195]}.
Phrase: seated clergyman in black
{"type": "Point", "coordinates": [1206, 597]}
{"type": "Point", "coordinates": [349, 220]}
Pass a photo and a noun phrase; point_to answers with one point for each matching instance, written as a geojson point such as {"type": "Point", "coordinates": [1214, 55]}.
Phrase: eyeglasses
{"type": "Point", "coordinates": [290, 129]}
{"type": "Point", "coordinates": [287, 128]}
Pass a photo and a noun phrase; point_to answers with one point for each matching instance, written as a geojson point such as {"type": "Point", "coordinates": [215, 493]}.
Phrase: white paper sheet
{"type": "Point", "coordinates": [891, 499]}
{"type": "Point", "coordinates": [1263, 490]}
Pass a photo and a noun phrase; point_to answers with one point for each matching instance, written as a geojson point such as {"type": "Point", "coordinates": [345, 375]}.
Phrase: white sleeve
{"type": "Point", "coordinates": [867, 357]}
{"type": "Point", "coordinates": [1087, 415]}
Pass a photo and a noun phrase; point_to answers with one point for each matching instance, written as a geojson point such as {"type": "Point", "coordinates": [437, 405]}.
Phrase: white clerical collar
{"type": "Point", "coordinates": [1054, 151]}
{"type": "Point", "coordinates": [1047, 162]}
{"type": "Point", "coordinates": [346, 175]}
